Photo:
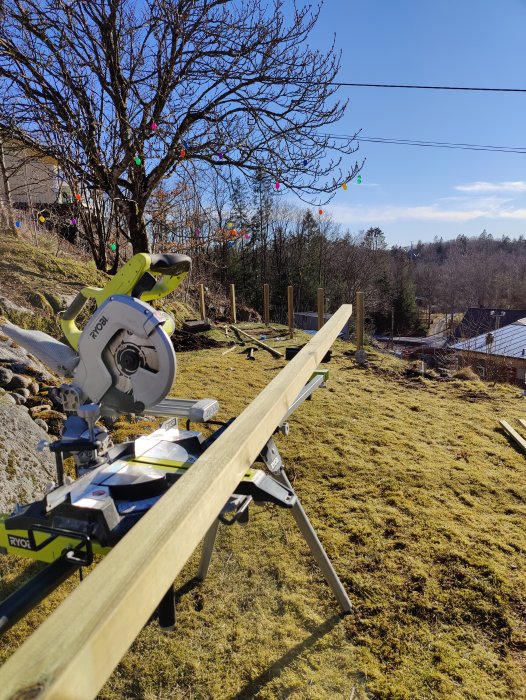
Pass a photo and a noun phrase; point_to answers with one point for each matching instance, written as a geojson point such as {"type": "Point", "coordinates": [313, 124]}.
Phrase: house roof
{"type": "Point", "coordinates": [17, 148]}
{"type": "Point", "coordinates": [479, 320]}
{"type": "Point", "coordinates": [509, 341]}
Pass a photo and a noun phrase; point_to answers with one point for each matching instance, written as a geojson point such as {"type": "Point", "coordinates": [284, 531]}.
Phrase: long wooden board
{"type": "Point", "coordinates": [275, 353]}
{"type": "Point", "coordinates": [74, 651]}
{"type": "Point", "coordinates": [514, 435]}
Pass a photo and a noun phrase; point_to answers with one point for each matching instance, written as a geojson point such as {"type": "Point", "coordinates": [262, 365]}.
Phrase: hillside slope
{"type": "Point", "coordinates": [420, 501]}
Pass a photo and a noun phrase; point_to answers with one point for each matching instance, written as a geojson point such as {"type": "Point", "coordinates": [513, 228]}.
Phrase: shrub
{"type": "Point", "coordinates": [467, 373]}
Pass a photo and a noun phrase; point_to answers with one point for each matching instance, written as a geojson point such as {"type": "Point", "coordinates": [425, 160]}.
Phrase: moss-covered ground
{"type": "Point", "coordinates": [35, 277]}
{"type": "Point", "coordinates": [420, 502]}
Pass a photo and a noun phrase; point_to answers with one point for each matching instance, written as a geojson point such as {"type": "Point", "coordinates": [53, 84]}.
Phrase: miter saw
{"type": "Point", "coordinates": [123, 362]}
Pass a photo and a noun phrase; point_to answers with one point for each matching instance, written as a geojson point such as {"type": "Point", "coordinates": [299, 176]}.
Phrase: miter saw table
{"type": "Point", "coordinates": [123, 362]}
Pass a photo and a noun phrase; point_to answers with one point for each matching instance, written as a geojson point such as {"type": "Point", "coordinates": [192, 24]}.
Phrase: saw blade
{"type": "Point", "coordinates": [127, 361]}
{"type": "Point", "coordinates": [128, 356]}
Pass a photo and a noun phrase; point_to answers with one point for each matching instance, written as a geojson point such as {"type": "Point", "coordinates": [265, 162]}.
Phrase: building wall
{"type": "Point", "coordinates": [308, 321]}
{"type": "Point", "coordinates": [495, 367]}
{"type": "Point", "coordinates": [33, 179]}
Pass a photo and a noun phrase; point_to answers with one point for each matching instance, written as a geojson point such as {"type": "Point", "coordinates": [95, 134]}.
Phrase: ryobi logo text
{"type": "Point", "coordinates": [100, 325]}
{"type": "Point", "coordinates": [22, 542]}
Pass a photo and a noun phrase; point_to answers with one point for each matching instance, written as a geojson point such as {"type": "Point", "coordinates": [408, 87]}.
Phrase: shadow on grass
{"type": "Point", "coordinates": [28, 572]}
{"type": "Point", "coordinates": [257, 684]}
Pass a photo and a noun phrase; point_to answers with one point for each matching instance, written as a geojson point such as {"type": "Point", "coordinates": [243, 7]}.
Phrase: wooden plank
{"type": "Point", "coordinates": [359, 320]}
{"type": "Point", "coordinates": [202, 306]}
{"type": "Point", "coordinates": [275, 353]}
{"type": "Point", "coordinates": [229, 350]}
{"type": "Point", "coordinates": [233, 316]}
{"type": "Point", "coordinates": [521, 442]}
{"type": "Point", "coordinates": [75, 650]}
{"type": "Point", "coordinates": [266, 304]}
{"type": "Point", "coordinates": [321, 308]}
{"type": "Point", "coordinates": [290, 303]}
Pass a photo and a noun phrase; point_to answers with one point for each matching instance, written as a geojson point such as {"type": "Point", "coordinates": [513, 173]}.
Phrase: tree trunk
{"type": "Point", "coordinates": [137, 229]}
{"type": "Point", "coordinates": [7, 189]}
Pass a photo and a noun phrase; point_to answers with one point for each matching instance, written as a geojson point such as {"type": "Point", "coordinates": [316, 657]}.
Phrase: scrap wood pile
{"type": "Point", "coordinates": [250, 342]}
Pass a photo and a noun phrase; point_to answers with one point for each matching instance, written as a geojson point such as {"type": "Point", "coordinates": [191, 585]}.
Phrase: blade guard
{"type": "Point", "coordinates": [117, 314]}
{"type": "Point", "coordinates": [172, 266]}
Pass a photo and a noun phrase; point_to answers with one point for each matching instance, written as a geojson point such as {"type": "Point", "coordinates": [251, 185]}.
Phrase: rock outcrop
{"type": "Point", "coordinates": [24, 472]}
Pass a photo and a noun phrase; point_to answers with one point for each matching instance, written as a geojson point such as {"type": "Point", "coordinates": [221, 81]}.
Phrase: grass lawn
{"type": "Point", "coordinates": [420, 502]}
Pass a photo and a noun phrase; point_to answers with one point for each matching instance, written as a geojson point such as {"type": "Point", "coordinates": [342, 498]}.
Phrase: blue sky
{"type": "Point", "coordinates": [416, 193]}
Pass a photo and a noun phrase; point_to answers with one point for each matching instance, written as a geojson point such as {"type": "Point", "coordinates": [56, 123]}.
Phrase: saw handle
{"type": "Point", "coordinates": [169, 263]}
{"type": "Point", "coordinates": [74, 308]}
{"type": "Point", "coordinates": [173, 267]}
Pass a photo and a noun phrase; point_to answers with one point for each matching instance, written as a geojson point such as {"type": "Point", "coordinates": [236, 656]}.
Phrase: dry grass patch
{"type": "Point", "coordinates": [420, 502]}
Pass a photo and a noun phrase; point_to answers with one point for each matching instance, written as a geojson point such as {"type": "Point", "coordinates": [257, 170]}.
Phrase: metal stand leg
{"type": "Point", "coordinates": [208, 548]}
{"type": "Point", "coordinates": [316, 548]}
{"type": "Point", "coordinates": [167, 617]}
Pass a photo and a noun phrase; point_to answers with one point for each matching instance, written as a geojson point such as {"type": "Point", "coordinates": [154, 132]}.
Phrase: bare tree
{"type": "Point", "coordinates": [123, 94]}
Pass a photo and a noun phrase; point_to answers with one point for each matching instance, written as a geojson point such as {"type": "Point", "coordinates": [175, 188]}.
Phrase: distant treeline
{"type": "Point", "coordinates": [250, 236]}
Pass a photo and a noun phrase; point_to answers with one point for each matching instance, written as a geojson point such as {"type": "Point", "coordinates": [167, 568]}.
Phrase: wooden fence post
{"type": "Point", "coordinates": [202, 306]}
{"type": "Point", "coordinates": [233, 315]}
{"type": "Point", "coordinates": [359, 320]}
{"type": "Point", "coordinates": [321, 308]}
{"type": "Point", "coordinates": [290, 300]}
{"type": "Point", "coordinates": [266, 296]}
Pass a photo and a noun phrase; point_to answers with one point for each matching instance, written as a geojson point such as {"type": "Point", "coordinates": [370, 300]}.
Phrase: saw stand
{"type": "Point", "coordinates": [274, 463]}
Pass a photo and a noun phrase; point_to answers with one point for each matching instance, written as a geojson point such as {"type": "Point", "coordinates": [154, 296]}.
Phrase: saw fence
{"type": "Point", "coordinates": [75, 650]}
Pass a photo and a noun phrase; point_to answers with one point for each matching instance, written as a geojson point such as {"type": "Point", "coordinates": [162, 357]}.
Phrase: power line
{"type": "Point", "coordinates": [435, 144]}
{"type": "Point", "coordinates": [426, 87]}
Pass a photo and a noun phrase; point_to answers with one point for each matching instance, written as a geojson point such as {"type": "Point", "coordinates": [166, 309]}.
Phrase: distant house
{"type": "Point", "coordinates": [479, 320]}
{"type": "Point", "coordinates": [30, 179]}
{"type": "Point", "coordinates": [498, 354]}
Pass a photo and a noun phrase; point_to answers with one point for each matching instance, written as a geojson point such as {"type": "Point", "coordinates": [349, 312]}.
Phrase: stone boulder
{"type": "Point", "coordinates": [24, 472]}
